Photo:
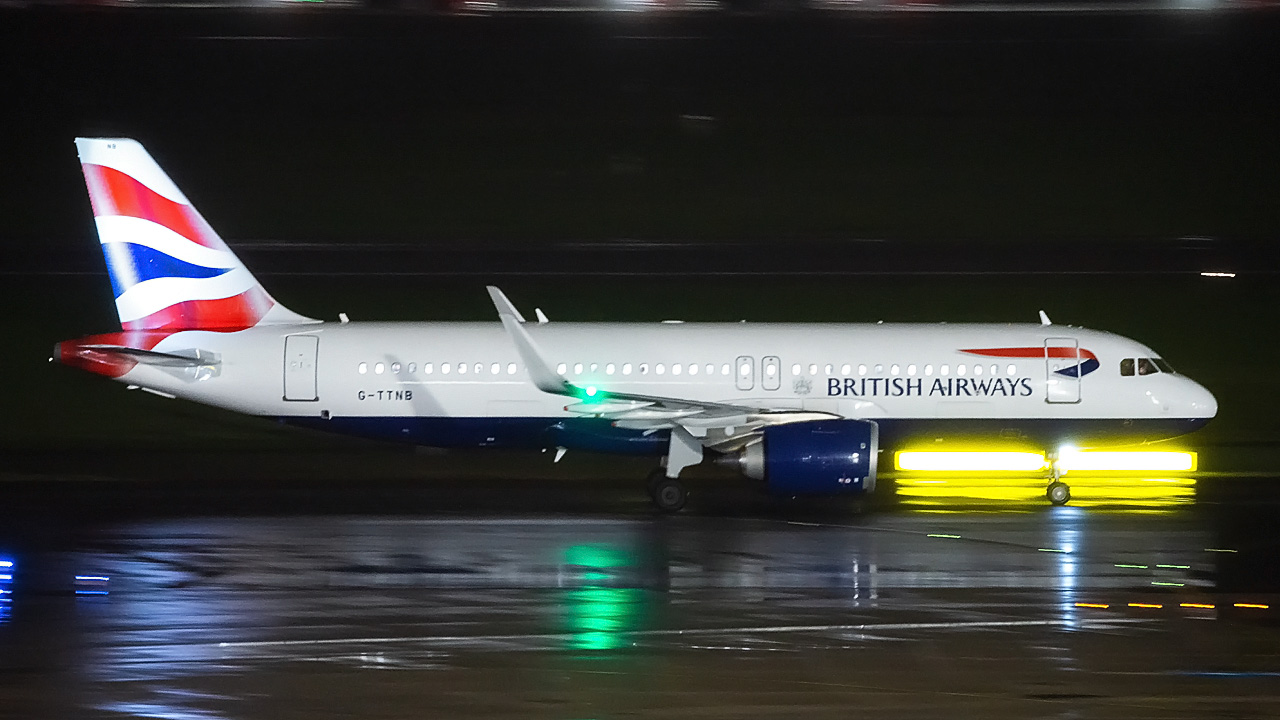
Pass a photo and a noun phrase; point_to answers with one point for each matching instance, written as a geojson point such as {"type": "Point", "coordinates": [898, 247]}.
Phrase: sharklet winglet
{"type": "Point", "coordinates": [503, 303]}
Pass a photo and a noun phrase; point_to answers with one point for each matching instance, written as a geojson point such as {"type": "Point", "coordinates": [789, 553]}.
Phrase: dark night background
{"type": "Point", "coordinates": [767, 160]}
{"type": "Point", "coordinates": [719, 166]}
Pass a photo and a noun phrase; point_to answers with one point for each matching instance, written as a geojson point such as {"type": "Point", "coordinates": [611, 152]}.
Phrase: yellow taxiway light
{"type": "Point", "coordinates": [1201, 606]}
{"type": "Point", "coordinates": [1027, 462]}
{"type": "Point", "coordinates": [1101, 606]}
{"type": "Point", "coordinates": [977, 461]}
{"type": "Point", "coordinates": [1127, 461]}
{"type": "Point", "coordinates": [1256, 606]}
{"type": "Point", "coordinates": [1146, 605]}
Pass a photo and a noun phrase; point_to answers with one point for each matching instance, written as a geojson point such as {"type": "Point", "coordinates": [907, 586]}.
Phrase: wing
{"type": "Point", "coordinates": [721, 426]}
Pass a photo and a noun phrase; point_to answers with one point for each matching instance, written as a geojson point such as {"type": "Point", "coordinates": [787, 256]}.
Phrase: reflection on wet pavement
{"type": "Point", "coordinates": [1061, 611]}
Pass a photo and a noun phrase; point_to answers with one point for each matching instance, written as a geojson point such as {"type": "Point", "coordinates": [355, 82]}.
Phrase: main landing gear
{"type": "Point", "coordinates": [668, 493]}
{"type": "Point", "coordinates": [1058, 492]}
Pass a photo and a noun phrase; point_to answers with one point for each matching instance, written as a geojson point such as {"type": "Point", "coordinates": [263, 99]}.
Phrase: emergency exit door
{"type": "Point", "coordinates": [744, 372]}
{"type": "Point", "coordinates": [1062, 370]}
{"type": "Point", "coordinates": [300, 355]}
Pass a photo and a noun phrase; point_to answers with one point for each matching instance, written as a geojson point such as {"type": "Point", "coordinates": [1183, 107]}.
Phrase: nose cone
{"type": "Point", "coordinates": [1200, 402]}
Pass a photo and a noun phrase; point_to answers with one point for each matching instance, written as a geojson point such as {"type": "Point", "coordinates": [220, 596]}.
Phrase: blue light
{"type": "Point", "coordinates": [92, 578]}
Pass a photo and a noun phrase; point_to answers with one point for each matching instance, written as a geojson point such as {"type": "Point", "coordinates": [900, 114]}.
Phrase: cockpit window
{"type": "Point", "coordinates": [1126, 366]}
{"type": "Point", "coordinates": [1147, 367]}
{"type": "Point", "coordinates": [1164, 366]}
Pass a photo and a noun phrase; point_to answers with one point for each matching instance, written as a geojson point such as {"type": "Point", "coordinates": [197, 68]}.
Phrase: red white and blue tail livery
{"type": "Point", "coordinates": [169, 269]}
{"type": "Point", "coordinates": [802, 408]}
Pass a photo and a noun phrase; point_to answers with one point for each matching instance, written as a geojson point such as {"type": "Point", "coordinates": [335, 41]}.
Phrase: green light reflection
{"type": "Point", "coordinates": [599, 614]}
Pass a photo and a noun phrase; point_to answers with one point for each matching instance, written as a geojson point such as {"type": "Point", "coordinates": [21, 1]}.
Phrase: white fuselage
{"type": "Point", "coordinates": [890, 373]}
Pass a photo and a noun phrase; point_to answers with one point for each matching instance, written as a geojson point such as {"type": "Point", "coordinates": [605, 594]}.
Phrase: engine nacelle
{"type": "Point", "coordinates": [819, 457]}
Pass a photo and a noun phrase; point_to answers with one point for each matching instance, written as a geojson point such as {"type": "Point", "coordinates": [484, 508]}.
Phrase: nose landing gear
{"type": "Point", "coordinates": [1058, 492]}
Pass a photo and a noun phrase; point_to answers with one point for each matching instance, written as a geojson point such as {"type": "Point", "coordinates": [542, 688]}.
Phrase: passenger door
{"type": "Point", "coordinates": [1062, 370]}
{"type": "Point", "coordinates": [301, 353]}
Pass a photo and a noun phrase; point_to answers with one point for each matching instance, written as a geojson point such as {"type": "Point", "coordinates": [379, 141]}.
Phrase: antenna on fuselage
{"type": "Point", "coordinates": [1044, 319]}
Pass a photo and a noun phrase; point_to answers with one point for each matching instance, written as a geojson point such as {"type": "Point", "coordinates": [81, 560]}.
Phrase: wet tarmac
{"type": "Point", "coordinates": [604, 608]}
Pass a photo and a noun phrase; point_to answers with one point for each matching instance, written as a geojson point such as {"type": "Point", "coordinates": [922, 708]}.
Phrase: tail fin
{"type": "Point", "coordinates": [168, 268]}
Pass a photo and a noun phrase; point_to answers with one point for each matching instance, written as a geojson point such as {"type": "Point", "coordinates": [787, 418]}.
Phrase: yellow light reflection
{"type": "Point", "coordinates": [1086, 491]}
{"type": "Point", "coordinates": [977, 461]}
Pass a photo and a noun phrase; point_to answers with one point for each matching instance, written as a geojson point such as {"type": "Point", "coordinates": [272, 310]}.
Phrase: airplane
{"type": "Point", "coordinates": [803, 409]}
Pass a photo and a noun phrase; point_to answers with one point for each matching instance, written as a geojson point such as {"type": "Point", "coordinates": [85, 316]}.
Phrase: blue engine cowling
{"type": "Point", "coordinates": [819, 457]}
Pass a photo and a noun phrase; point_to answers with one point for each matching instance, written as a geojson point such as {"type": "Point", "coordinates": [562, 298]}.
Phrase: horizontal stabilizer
{"type": "Point", "coordinates": [189, 358]}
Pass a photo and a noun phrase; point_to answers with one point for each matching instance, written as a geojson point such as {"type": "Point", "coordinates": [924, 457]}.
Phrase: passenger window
{"type": "Point", "coordinates": [626, 368]}
{"type": "Point", "coordinates": [462, 368]}
{"type": "Point", "coordinates": [495, 369]}
{"type": "Point", "coordinates": [845, 369]}
{"type": "Point", "coordinates": [879, 369]}
{"type": "Point", "coordinates": [644, 368]}
{"type": "Point", "coordinates": [1011, 370]}
{"type": "Point", "coordinates": [711, 369]}
{"type": "Point", "coordinates": [608, 369]}
{"type": "Point", "coordinates": [928, 370]}
{"type": "Point", "coordinates": [962, 369]}
{"type": "Point", "coordinates": [1146, 367]}
{"type": "Point", "coordinates": [977, 369]}
{"type": "Point", "coordinates": [511, 368]}
{"type": "Point", "coordinates": [944, 370]}
{"type": "Point", "coordinates": [428, 368]}
{"type": "Point", "coordinates": [660, 368]}
{"type": "Point", "coordinates": [911, 369]}
{"type": "Point", "coordinates": [724, 369]}
{"type": "Point", "coordinates": [377, 369]}
{"type": "Point", "coordinates": [894, 370]}
{"type": "Point", "coordinates": [813, 370]}
{"type": "Point", "coordinates": [445, 368]}
{"type": "Point", "coordinates": [676, 368]}
{"type": "Point", "coordinates": [479, 368]}
{"type": "Point", "coordinates": [1126, 366]}
{"type": "Point", "coordinates": [862, 369]}
{"type": "Point", "coordinates": [412, 368]}
{"type": "Point", "coordinates": [577, 368]}
{"type": "Point", "coordinates": [395, 368]}
{"type": "Point", "coordinates": [363, 368]}
{"type": "Point", "coordinates": [562, 368]}
{"type": "Point", "coordinates": [693, 368]}
{"type": "Point", "coordinates": [828, 370]}
{"type": "Point", "coordinates": [795, 369]}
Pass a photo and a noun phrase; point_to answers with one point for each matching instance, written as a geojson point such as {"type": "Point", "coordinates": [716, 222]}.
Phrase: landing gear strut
{"type": "Point", "coordinates": [665, 488]}
{"type": "Point", "coordinates": [668, 493]}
